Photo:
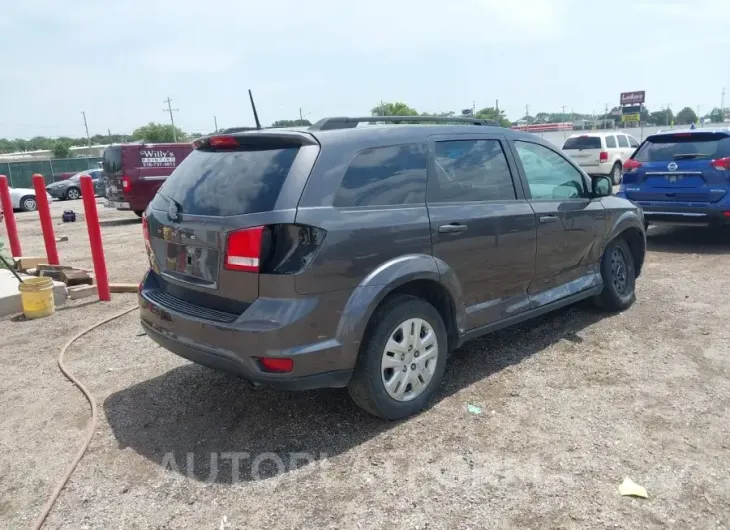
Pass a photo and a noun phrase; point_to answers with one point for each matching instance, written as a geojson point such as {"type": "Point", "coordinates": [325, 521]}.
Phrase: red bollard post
{"type": "Point", "coordinates": [97, 248]}
{"type": "Point", "coordinates": [7, 207]}
{"type": "Point", "coordinates": [44, 211]}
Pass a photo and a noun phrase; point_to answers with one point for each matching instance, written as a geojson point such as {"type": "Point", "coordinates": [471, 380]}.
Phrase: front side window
{"type": "Point", "coordinates": [633, 142]}
{"type": "Point", "coordinates": [610, 142]}
{"type": "Point", "coordinates": [622, 141]}
{"type": "Point", "coordinates": [385, 176]}
{"type": "Point", "coordinates": [470, 170]}
{"type": "Point", "coordinates": [548, 174]}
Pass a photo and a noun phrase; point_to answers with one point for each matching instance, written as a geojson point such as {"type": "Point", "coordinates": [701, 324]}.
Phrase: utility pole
{"type": "Point", "coordinates": [110, 135]}
{"type": "Point", "coordinates": [86, 126]}
{"type": "Point", "coordinates": [172, 120]}
{"type": "Point", "coordinates": [562, 118]}
{"type": "Point", "coordinates": [527, 114]}
{"type": "Point", "coordinates": [722, 104]}
{"type": "Point", "coordinates": [497, 107]}
{"type": "Point", "coordinates": [215, 121]}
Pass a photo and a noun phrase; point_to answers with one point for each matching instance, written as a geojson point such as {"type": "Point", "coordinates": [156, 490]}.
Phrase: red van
{"type": "Point", "coordinates": [136, 171]}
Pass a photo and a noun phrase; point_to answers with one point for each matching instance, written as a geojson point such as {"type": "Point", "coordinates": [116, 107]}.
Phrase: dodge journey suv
{"type": "Point", "coordinates": [361, 256]}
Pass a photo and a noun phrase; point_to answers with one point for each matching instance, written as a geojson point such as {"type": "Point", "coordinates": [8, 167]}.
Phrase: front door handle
{"type": "Point", "coordinates": [548, 218]}
{"type": "Point", "coordinates": [452, 228]}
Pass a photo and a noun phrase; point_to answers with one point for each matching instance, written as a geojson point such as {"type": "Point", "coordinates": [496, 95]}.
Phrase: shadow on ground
{"type": "Point", "coordinates": [192, 410]}
{"type": "Point", "coordinates": [121, 222]}
{"type": "Point", "coordinates": [688, 239]}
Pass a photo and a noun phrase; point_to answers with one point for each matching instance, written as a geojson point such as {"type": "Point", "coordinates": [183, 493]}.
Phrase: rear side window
{"type": "Point", "coordinates": [385, 176]}
{"type": "Point", "coordinates": [610, 142]}
{"type": "Point", "coordinates": [583, 142]}
{"type": "Point", "coordinates": [622, 141]}
{"type": "Point", "coordinates": [229, 183]}
{"type": "Point", "coordinates": [683, 147]}
{"type": "Point", "coordinates": [112, 161]}
{"type": "Point", "coordinates": [471, 170]}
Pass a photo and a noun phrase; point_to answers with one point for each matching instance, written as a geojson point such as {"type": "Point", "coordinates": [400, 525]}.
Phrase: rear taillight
{"type": "Point", "coordinates": [721, 164]}
{"type": "Point", "coordinates": [145, 227]}
{"type": "Point", "coordinates": [280, 365]}
{"type": "Point", "coordinates": [631, 165]}
{"type": "Point", "coordinates": [603, 157]}
{"type": "Point", "coordinates": [126, 184]}
{"type": "Point", "coordinates": [243, 249]}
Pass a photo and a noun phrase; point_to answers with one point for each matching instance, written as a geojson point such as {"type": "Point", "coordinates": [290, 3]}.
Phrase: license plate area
{"type": "Point", "coordinates": [191, 263]}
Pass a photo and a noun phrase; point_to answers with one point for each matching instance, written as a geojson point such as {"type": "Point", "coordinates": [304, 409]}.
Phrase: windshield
{"type": "Point", "coordinates": [583, 142]}
{"type": "Point", "coordinates": [687, 146]}
{"type": "Point", "coordinates": [229, 183]}
{"type": "Point", "coordinates": [112, 162]}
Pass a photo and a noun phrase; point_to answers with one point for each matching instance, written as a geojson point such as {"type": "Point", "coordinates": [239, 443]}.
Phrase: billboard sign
{"type": "Point", "coordinates": [632, 109]}
{"type": "Point", "coordinates": [631, 117]}
{"type": "Point", "coordinates": [633, 98]}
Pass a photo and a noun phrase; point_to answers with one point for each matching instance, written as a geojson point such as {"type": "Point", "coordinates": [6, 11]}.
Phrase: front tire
{"type": "Point", "coordinates": [402, 359]}
{"type": "Point", "coordinates": [73, 194]}
{"type": "Point", "coordinates": [616, 174]}
{"type": "Point", "coordinates": [139, 213]}
{"type": "Point", "coordinates": [28, 204]}
{"type": "Point", "coordinates": [619, 277]}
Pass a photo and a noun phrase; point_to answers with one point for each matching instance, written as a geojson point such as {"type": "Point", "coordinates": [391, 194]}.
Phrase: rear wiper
{"type": "Point", "coordinates": [687, 156]}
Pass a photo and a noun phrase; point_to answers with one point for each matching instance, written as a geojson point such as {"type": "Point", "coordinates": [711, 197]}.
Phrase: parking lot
{"type": "Point", "coordinates": [568, 406]}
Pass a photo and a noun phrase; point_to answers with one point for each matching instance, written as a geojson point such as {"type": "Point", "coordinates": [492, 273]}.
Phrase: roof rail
{"type": "Point", "coordinates": [326, 124]}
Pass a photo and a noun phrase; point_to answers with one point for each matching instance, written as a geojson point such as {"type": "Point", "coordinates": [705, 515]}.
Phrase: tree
{"type": "Point", "coordinates": [491, 113]}
{"type": "Point", "coordinates": [61, 150]}
{"type": "Point", "coordinates": [291, 123]}
{"type": "Point", "coordinates": [686, 116]}
{"type": "Point", "coordinates": [157, 133]}
{"type": "Point", "coordinates": [716, 115]}
{"type": "Point", "coordinates": [662, 117]}
{"type": "Point", "coordinates": [393, 109]}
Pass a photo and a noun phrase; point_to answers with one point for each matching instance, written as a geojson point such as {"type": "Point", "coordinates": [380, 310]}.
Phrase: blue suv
{"type": "Point", "coordinates": [681, 176]}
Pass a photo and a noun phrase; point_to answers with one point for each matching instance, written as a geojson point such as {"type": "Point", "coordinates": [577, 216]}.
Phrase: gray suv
{"type": "Point", "coordinates": [361, 256]}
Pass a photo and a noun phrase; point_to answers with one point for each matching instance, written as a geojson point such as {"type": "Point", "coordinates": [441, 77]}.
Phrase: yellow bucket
{"type": "Point", "coordinates": [36, 294]}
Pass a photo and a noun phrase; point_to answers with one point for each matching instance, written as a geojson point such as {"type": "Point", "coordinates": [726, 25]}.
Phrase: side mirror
{"type": "Point", "coordinates": [602, 186]}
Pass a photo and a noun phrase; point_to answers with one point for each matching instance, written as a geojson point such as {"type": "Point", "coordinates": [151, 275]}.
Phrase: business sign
{"type": "Point", "coordinates": [633, 98]}
{"type": "Point", "coordinates": [467, 113]}
{"type": "Point", "coordinates": [631, 117]}
{"type": "Point", "coordinates": [631, 109]}
{"type": "Point", "coordinates": [157, 158]}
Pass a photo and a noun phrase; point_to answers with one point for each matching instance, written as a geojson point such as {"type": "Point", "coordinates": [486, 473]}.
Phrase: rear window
{"type": "Point", "coordinates": [229, 183]}
{"type": "Point", "coordinates": [675, 147]}
{"type": "Point", "coordinates": [112, 161]}
{"type": "Point", "coordinates": [385, 176]}
{"type": "Point", "coordinates": [583, 142]}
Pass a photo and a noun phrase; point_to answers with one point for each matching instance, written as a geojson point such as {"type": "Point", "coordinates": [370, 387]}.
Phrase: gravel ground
{"type": "Point", "coordinates": [571, 404]}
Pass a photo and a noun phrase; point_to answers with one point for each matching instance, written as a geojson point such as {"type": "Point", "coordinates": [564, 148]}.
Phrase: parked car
{"type": "Point", "coordinates": [24, 199]}
{"type": "Point", "coordinates": [362, 256]}
{"type": "Point", "coordinates": [70, 189]}
{"type": "Point", "coordinates": [135, 172]}
{"type": "Point", "coordinates": [601, 153]}
{"type": "Point", "coordinates": [681, 176]}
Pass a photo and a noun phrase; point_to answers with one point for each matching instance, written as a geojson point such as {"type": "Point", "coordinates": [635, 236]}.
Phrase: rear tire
{"type": "Point", "coordinates": [398, 371]}
{"type": "Point", "coordinates": [619, 277]}
{"type": "Point", "coordinates": [72, 194]}
{"type": "Point", "coordinates": [28, 204]}
{"type": "Point", "coordinates": [616, 174]}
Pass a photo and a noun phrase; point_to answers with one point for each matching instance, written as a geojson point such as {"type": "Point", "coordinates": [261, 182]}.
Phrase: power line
{"type": "Point", "coordinates": [172, 120]}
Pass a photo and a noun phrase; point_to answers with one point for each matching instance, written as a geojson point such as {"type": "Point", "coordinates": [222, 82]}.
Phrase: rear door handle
{"type": "Point", "coordinates": [452, 228]}
{"type": "Point", "coordinates": [548, 218]}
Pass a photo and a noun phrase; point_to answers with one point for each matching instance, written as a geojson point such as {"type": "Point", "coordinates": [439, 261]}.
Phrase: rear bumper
{"type": "Point", "coordinates": [669, 213]}
{"type": "Point", "coordinates": [302, 329]}
{"type": "Point", "coordinates": [242, 368]}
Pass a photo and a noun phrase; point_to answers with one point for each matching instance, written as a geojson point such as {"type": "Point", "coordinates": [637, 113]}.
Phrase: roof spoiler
{"type": "Point", "coordinates": [327, 124]}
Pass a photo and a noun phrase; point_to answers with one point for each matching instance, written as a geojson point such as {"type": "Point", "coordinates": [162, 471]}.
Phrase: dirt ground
{"type": "Point", "coordinates": [571, 404]}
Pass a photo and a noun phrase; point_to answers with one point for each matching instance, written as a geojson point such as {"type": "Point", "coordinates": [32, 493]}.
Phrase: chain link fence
{"type": "Point", "coordinates": [20, 173]}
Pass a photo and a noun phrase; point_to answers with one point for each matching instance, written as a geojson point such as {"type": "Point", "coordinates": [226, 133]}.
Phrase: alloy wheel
{"type": "Point", "coordinates": [409, 359]}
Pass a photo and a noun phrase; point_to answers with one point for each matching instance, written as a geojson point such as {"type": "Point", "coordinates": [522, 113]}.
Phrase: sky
{"type": "Point", "coordinates": [119, 60]}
